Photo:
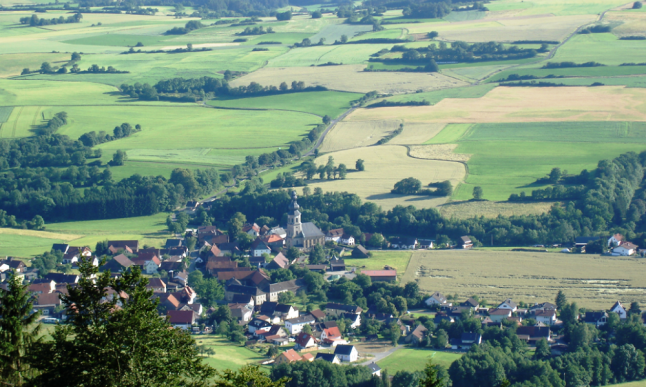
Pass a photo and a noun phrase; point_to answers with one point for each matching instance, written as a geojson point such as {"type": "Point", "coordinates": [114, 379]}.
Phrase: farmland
{"type": "Point", "coordinates": [592, 281]}
{"type": "Point", "coordinates": [396, 259]}
{"type": "Point", "coordinates": [415, 359]}
{"type": "Point", "coordinates": [227, 356]}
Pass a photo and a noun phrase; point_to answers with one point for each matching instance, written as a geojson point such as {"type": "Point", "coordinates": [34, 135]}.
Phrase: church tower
{"type": "Point", "coordinates": [294, 225]}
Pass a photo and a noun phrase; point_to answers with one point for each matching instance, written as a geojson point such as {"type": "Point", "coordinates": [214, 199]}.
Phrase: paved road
{"type": "Point", "coordinates": [379, 356]}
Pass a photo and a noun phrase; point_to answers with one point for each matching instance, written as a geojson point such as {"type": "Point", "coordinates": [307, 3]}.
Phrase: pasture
{"type": "Point", "coordinates": [468, 209]}
{"type": "Point", "coordinates": [227, 354]}
{"type": "Point", "coordinates": [321, 103]}
{"type": "Point", "coordinates": [603, 48]}
{"type": "Point", "coordinates": [557, 7]}
{"type": "Point", "coordinates": [415, 359]}
{"type": "Point", "coordinates": [393, 258]}
{"type": "Point", "coordinates": [351, 78]}
{"type": "Point", "coordinates": [524, 104]}
{"type": "Point", "coordinates": [26, 243]}
{"type": "Point", "coordinates": [601, 71]}
{"type": "Point", "coordinates": [315, 55]}
{"type": "Point", "coordinates": [386, 165]}
{"type": "Point", "coordinates": [592, 281]}
{"type": "Point", "coordinates": [436, 96]}
{"type": "Point", "coordinates": [12, 64]}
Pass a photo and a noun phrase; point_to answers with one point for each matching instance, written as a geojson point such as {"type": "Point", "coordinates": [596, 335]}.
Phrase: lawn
{"type": "Point", "coordinates": [227, 354]}
{"type": "Point", "coordinates": [592, 281]}
{"type": "Point", "coordinates": [331, 103]}
{"type": "Point", "coordinates": [415, 359]}
{"type": "Point", "coordinates": [12, 64]}
{"type": "Point", "coordinates": [397, 259]}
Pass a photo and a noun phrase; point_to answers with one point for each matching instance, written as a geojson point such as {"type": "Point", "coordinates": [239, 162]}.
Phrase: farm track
{"type": "Point", "coordinates": [15, 123]}
{"type": "Point", "coordinates": [325, 132]}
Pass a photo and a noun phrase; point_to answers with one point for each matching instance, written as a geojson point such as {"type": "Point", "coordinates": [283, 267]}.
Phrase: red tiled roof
{"type": "Point", "coordinates": [380, 273]}
{"type": "Point", "coordinates": [181, 316]}
{"type": "Point", "coordinates": [291, 355]}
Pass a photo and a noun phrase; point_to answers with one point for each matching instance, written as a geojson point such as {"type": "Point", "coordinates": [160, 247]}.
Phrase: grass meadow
{"type": "Point", "coordinates": [331, 103]}
{"type": "Point", "coordinates": [415, 359]}
{"type": "Point", "coordinates": [603, 48]}
{"type": "Point", "coordinates": [604, 71]}
{"type": "Point", "coordinates": [397, 259]}
{"type": "Point", "coordinates": [227, 354]}
{"type": "Point", "coordinates": [344, 54]}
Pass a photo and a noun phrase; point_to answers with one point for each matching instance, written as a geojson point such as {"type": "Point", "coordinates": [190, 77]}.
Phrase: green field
{"type": "Point", "coordinates": [603, 71]}
{"type": "Point", "coordinates": [603, 48]}
{"type": "Point", "coordinates": [415, 359]}
{"type": "Point", "coordinates": [436, 96]}
{"type": "Point", "coordinates": [450, 134]}
{"type": "Point", "coordinates": [25, 245]}
{"type": "Point", "coordinates": [227, 355]}
{"type": "Point", "coordinates": [331, 103]}
{"type": "Point", "coordinates": [5, 112]}
{"type": "Point", "coordinates": [345, 54]}
{"type": "Point", "coordinates": [397, 259]}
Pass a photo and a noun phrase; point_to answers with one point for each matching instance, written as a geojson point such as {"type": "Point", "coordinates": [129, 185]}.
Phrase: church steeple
{"type": "Point", "coordinates": [294, 226]}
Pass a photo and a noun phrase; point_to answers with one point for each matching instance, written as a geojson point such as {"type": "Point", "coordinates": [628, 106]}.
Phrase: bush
{"type": "Point", "coordinates": [317, 15]}
{"type": "Point", "coordinates": [284, 15]}
{"type": "Point", "coordinates": [637, 5]}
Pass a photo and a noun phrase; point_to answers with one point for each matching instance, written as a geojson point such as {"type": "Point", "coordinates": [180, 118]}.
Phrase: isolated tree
{"type": "Point", "coordinates": [344, 38]}
{"type": "Point", "coordinates": [637, 5]}
{"type": "Point", "coordinates": [327, 119]}
{"type": "Point", "coordinates": [19, 332]}
{"type": "Point", "coordinates": [477, 193]}
{"type": "Point", "coordinates": [359, 165]}
{"type": "Point", "coordinates": [317, 14]}
{"type": "Point", "coordinates": [119, 158]}
{"type": "Point", "coordinates": [46, 68]}
{"type": "Point", "coordinates": [189, 46]}
{"type": "Point", "coordinates": [76, 56]}
{"type": "Point", "coordinates": [114, 337]}
{"type": "Point", "coordinates": [432, 35]}
{"type": "Point", "coordinates": [560, 300]}
{"type": "Point", "coordinates": [431, 377]}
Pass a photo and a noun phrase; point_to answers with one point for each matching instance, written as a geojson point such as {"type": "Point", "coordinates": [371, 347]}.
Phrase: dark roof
{"type": "Point", "coordinates": [593, 317]}
{"type": "Point", "coordinates": [325, 356]}
{"type": "Point", "coordinates": [124, 244]}
{"type": "Point", "coordinates": [303, 338]}
{"type": "Point", "coordinates": [283, 308]}
{"type": "Point", "coordinates": [240, 289]}
{"type": "Point", "coordinates": [346, 308]}
{"type": "Point", "coordinates": [291, 285]}
{"type": "Point", "coordinates": [241, 299]}
{"type": "Point", "coordinates": [374, 367]}
{"type": "Point", "coordinates": [360, 250]}
{"type": "Point", "coordinates": [156, 283]}
{"type": "Point", "coordinates": [62, 247]}
{"type": "Point", "coordinates": [181, 316]}
{"type": "Point", "coordinates": [268, 308]}
{"type": "Point", "coordinates": [310, 230]}
{"type": "Point", "coordinates": [258, 323]}
{"type": "Point", "coordinates": [318, 314]}
{"type": "Point", "coordinates": [533, 331]}
{"type": "Point", "coordinates": [173, 243]}
{"type": "Point", "coordinates": [122, 260]}
{"type": "Point", "coordinates": [62, 278]}
{"type": "Point", "coordinates": [465, 239]}
{"type": "Point", "coordinates": [585, 240]}
{"type": "Point", "coordinates": [470, 336]}
{"type": "Point", "coordinates": [343, 349]}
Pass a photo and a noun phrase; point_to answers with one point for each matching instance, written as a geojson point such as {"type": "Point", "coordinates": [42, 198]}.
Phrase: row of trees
{"type": "Point", "coordinates": [412, 186]}
{"type": "Point", "coordinates": [53, 124]}
{"type": "Point", "coordinates": [34, 20]}
{"type": "Point", "coordinates": [93, 138]}
{"type": "Point", "coordinates": [188, 27]}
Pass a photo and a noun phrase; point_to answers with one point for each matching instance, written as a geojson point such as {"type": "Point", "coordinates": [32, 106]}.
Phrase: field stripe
{"type": "Point", "coordinates": [15, 123]}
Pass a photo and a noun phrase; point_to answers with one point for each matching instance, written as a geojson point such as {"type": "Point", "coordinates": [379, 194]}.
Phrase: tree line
{"type": "Point", "coordinates": [53, 124]}
{"type": "Point", "coordinates": [412, 186]}
{"type": "Point", "coordinates": [35, 21]}
{"type": "Point", "coordinates": [253, 8]}
{"type": "Point", "coordinates": [188, 27]}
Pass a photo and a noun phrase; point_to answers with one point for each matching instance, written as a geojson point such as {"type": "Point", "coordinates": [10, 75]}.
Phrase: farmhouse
{"type": "Point", "coordinates": [251, 229]}
{"type": "Point", "coordinates": [295, 325]}
{"type": "Point", "coordinates": [156, 285]}
{"type": "Point", "coordinates": [334, 235]}
{"type": "Point", "coordinates": [381, 275]}
{"type": "Point", "coordinates": [466, 242]}
{"type": "Point", "coordinates": [332, 336]}
{"type": "Point", "coordinates": [597, 319]}
{"type": "Point", "coordinates": [127, 246]}
{"type": "Point", "coordinates": [288, 356]}
{"type": "Point", "coordinates": [304, 340]}
{"type": "Point", "coordinates": [279, 262]}
{"type": "Point", "coordinates": [117, 264]}
{"type": "Point", "coordinates": [183, 319]}
{"type": "Point", "coordinates": [301, 235]}
{"type": "Point", "coordinates": [498, 315]}
{"type": "Point", "coordinates": [336, 310]}
{"type": "Point", "coordinates": [467, 340]}
{"type": "Point", "coordinates": [347, 239]}
{"type": "Point", "coordinates": [259, 247]}
{"type": "Point", "coordinates": [437, 298]}
{"type": "Point", "coordinates": [346, 353]}
{"type": "Point", "coordinates": [547, 317]}
{"type": "Point", "coordinates": [405, 243]}
{"type": "Point", "coordinates": [625, 249]}
{"type": "Point", "coordinates": [360, 252]}
{"type": "Point", "coordinates": [620, 310]}
{"type": "Point", "coordinates": [374, 369]}
{"type": "Point", "coordinates": [508, 304]}
{"type": "Point", "coordinates": [417, 335]}
{"type": "Point", "coordinates": [533, 334]}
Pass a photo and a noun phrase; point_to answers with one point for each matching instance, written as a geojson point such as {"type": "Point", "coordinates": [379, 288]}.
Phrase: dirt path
{"type": "Point", "coordinates": [329, 127]}
{"type": "Point", "coordinates": [379, 356]}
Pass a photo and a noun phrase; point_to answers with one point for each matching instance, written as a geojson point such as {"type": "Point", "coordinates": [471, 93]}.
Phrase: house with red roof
{"type": "Point", "coordinates": [182, 319]}
{"type": "Point", "coordinates": [381, 275]}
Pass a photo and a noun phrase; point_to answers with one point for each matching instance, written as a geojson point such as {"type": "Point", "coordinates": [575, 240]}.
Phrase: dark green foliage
{"type": "Point", "coordinates": [35, 21]}
{"type": "Point", "coordinates": [598, 29]}
{"type": "Point", "coordinates": [317, 14]}
{"type": "Point", "coordinates": [596, 247]}
{"type": "Point", "coordinates": [53, 124]}
{"type": "Point", "coordinates": [427, 10]}
{"type": "Point", "coordinates": [321, 374]}
{"type": "Point", "coordinates": [287, 15]}
{"type": "Point", "coordinates": [19, 333]}
{"type": "Point", "coordinates": [190, 26]}
{"type": "Point", "coordinates": [125, 345]}
{"type": "Point", "coordinates": [392, 135]}
{"type": "Point", "coordinates": [384, 103]}
{"type": "Point", "coordinates": [561, 65]}
{"type": "Point", "coordinates": [258, 30]}
{"type": "Point", "coordinates": [637, 5]}
{"type": "Point", "coordinates": [407, 186]}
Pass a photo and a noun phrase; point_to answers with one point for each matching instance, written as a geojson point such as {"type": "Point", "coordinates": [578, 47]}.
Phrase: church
{"type": "Point", "coordinates": [301, 235]}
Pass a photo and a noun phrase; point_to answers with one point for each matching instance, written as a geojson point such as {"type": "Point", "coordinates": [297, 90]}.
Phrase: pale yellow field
{"type": "Point", "coordinates": [385, 166]}
{"type": "Point", "coordinates": [633, 23]}
{"type": "Point", "coordinates": [524, 104]}
{"type": "Point", "coordinates": [465, 210]}
{"type": "Point", "coordinates": [348, 135]}
{"type": "Point", "coordinates": [350, 78]}
{"type": "Point", "coordinates": [417, 133]}
{"type": "Point", "coordinates": [12, 64]}
{"type": "Point", "coordinates": [592, 281]}
{"type": "Point", "coordinates": [438, 152]}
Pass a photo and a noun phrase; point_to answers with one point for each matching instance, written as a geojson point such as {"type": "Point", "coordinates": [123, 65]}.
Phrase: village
{"type": "Point", "coordinates": [291, 295]}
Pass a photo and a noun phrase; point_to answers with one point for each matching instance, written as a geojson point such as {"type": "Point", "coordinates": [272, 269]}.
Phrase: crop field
{"type": "Point", "coordinates": [322, 103]}
{"type": "Point", "coordinates": [557, 7]}
{"type": "Point", "coordinates": [465, 210]}
{"type": "Point", "coordinates": [12, 64]}
{"type": "Point", "coordinates": [22, 121]}
{"type": "Point", "coordinates": [602, 48]}
{"type": "Point", "coordinates": [348, 135]}
{"type": "Point", "coordinates": [592, 281]}
{"type": "Point", "coordinates": [524, 104]}
{"type": "Point", "coordinates": [344, 54]}
{"type": "Point", "coordinates": [436, 96]}
{"type": "Point", "coordinates": [437, 152]}
{"type": "Point", "coordinates": [19, 93]}
{"type": "Point", "coordinates": [602, 71]}
{"type": "Point", "coordinates": [415, 359]}
{"type": "Point", "coordinates": [476, 73]}
{"type": "Point", "coordinates": [393, 258]}
{"type": "Point", "coordinates": [227, 355]}
{"type": "Point", "coordinates": [334, 32]}
{"type": "Point", "coordinates": [351, 78]}
{"type": "Point", "coordinates": [385, 166]}
{"type": "Point", "coordinates": [632, 23]}
{"type": "Point", "coordinates": [416, 133]}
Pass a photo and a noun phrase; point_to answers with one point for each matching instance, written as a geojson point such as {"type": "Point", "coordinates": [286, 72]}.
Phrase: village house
{"type": "Point", "coordinates": [347, 239]}
{"type": "Point", "coordinates": [336, 310]}
{"type": "Point", "coordinates": [275, 242]}
{"type": "Point", "coordinates": [360, 252]}
{"type": "Point", "coordinates": [465, 242]}
{"type": "Point", "coordinates": [241, 312]}
{"type": "Point", "coordinates": [279, 311]}
{"type": "Point", "coordinates": [148, 262]}
{"type": "Point", "coordinates": [279, 262]}
{"type": "Point", "coordinates": [251, 229]}
{"type": "Point", "coordinates": [470, 303]}
{"type": "Point", "coordinates": [259, 247]}
{"type": "Point", "coordinates": [295, 325]}
{"type": "Point", "coordinates": [508, 304]}
{"type": "Point", "coordinates": [498, 315]}
{"type": "Point", "coordinates": [304, 340]}
{"type": "Point", "coordinates": [318, 315]}
{"type": "Point", "coordinates": [337, 264]}
{"type": "Point", "coordinates": [355, 319]}
{"type": "Point", "coordinates": [334, 235]}
{"type": "Point", "coordinates": [620, 310]}
{"type": "Point", "coordinates": [126, 246]}
{"type": "Point", "coordinates": [547, 317]}
{"type": "Point", "coordinates": [183, 319]}
{"type": "Point", "coordinates": [62, 278]}
{"type": "Point", "coordinates": [317, 268]}
{"type": "Point", "coordinates": [437, 298]}
{"type": "Point", "coordinates": [374, 369]}
{"type": "Point", "coordinates": [156, 285]}
{"type": "Point", "coordinates": [625, 249]}
{"type": "Point", "coordinates": [417, 335]}
{"type": "Point", "coordinates": [47, 303]}
{"type": "Point", "coordinates": [346, 353]}
{"type": "Point", "coordinates": [426, 243]}
{"type": "Point", "coordinates": [332, 336]}
{"type": "Point", "coordinates": [257, 326]}
{"type": "Point", "coordinates": [288, 356]}
{"type": "Point", "coordinates": [117, 264]}
{"type": "Point", "coordinates": [533, 334]}
{"type": "Point", "coordinates": [404, 243]}
{"type": "Point", "coordinates": [381, 275]}
{"type": "Point", "coordinates": [329, 357]}
{"type": "Point", "coordinates": [10, 263]}
{"type": "Point", "coordinates": [598, 319]}
{"type": "Point", "coordinates": [467, 340]}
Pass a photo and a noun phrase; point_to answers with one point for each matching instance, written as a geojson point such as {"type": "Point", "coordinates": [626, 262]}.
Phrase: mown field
{"type": "Point", "coordinates": [227, 355]}
{"type": "Point", "coordinates": [415, 359]}
{"type": "Point", "coordinates": [397, 259]}
{"type": "Point", "coordinates": [592, 281]}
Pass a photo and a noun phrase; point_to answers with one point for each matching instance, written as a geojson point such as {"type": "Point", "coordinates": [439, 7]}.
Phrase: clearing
{"type": "Point", "coordinates": [592, 281]}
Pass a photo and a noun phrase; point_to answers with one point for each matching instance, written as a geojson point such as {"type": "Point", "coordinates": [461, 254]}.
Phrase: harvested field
{"type": "Point", "coordinates": [506, 29]}
{"type": "Point", "coordinates": [465, 210]}
{"type": "Point", "coordinates": [632, 23]}
{"type": "Point", "coordinates": [40, 234]}
{"type": "Point", "coordinates": [438, 152]}
{"type": "Point", "coordinates": [524, 104]}
{"type": "Point", "coordinates": [350, 78]}
{"type": "Point", "coordinates": [385, 166]}
{"type": "Point", "coordinates": [348, 135]}
{"type": "Point", "coordinates": [417, 133]}
{"type": "Point", "coordinates": [203, 45]}
{"type": "Point", "coordinates": [592, 281]}
{"type": "Point", "coordinates": [12, 64]}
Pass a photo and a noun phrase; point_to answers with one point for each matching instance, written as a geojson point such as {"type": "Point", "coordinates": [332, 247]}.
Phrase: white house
{"type": "Point", "coordinates": [257, 326]}
{"type": "Point", "coordinates": [374, 368]}
{"type": "Point", "coordinates": [304, 340]}
{"type": "Point", "coordinates": [625, 249]}
{"type": "Point", "coordinates": [295, 325]}
{"type": "Point", "coordinates": [620, 310]}
{"type": "Point", "coordinates": [508, 304]}
{"type": "Point", "coordinates": [437, 298]}
{"type": "Point", "coordinates": [347, 239]}
{"type": "Point", "coordinates": [259, 247]}
{"type": "Point", "coordinates": [334, 235]}
{"type": "Point", "coordinates": [346, 353]}
{"type": "Point", "coordinates": [498, 314]}
{"type": "Point", "coordinates": [355, 320]}
{"type": "Point", "coordinates": [547, 317]}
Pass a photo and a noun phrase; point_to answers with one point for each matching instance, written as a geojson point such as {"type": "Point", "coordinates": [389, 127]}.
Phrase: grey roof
{"type": "Point", "coordinates": [241, 299]}
{"type": "Point", "coordinates": [310, 230]}
{"type": "Point", "coordinates": [62, 278]}
{"type": "Point", "coordinates": [325, 356]}
{"type": "Point", "coordinates": [305, 319]}
{"type": "Point", "coordinates": [173, 243]}
{"type": "Point", "coordinates": [374, 367]}
{"type": "Point", "coordinates": [343, 349]}
{"type": "Point", "coordinates": [593, 317]}
{"type": "Point", "coordinates": [585, 240]}
{"type": "Point", "coordinates": [62, 247]}
{"type": "Point", "coordinates": [347, 308]}
{"type": "Point", "coordinates": [240, 289]}
{"type": "Point", "coordinates": [292, 285]}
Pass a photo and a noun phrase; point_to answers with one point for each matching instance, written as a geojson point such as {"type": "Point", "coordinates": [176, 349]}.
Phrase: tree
{"type": "Point", "coordinates": [542, 350]}
{"type": "Point", "coordinates": [317, 255]}
{"type": "Point", "coordinates": [343, 171]}
{"type": "Point", "coordinates": [561, 300]}
{"type": "Point", "coordinates": [76, 56]}
{"type": "Point", "coordinates": [406, 379]}
{"type": "Point", "coordinates": [189, 46]}
{"type": "Point", "coordinates": [596, 247]}
{"type": "Point", "coordinates": [235, 224]}
{"type": "Point", "coordinates": [292, 253]}
{"type": "Point", "coordinates": [441, 339]}
{"type": "Point", "coordinates": [317, 14]}
{"type": "Point", "coordinates": [555, 175]}
{"type": "Point", "coordinates": [250, 375]}
{"type": "Point", "coordinates": [327, 119]}
{"type": "Point", "coordinates": [191, 242]}
{"type": "Point", "coordinates": [407, 186]}
{"type": "Point", "coordinates": [359, 166]}
{"type": "Point", "coordinates": [46, 68]}
{"type": "Point", "coordinates": [432, 35]}
{"type": "Point", "coordinates": [477, 193]}
{"type": "Point", "coordinates": [287, 15]}
{"type": "Point", "coordinates": [635, 308]}
{"type": "Point", "coordinates": [19, 332]}
{"type": "Point", "coordinates": [637, 5]}
{"type": "Point", "coordinates": [431, 377]}
{"type": "Point", "coordinates": [119, 158]}
{"type": "Point", "coordinates": [115, 331]}
{"type": "Point", "coordinates": [395, 334]}
{"type": "Point", "coordinates": [344, 38]}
